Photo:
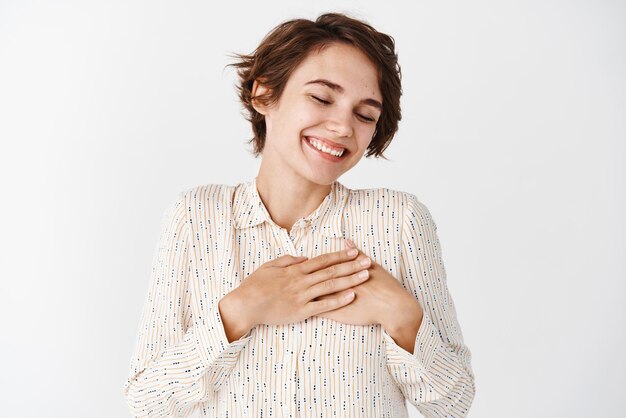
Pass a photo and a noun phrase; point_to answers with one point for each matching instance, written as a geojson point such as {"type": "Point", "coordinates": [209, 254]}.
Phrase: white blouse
{"type": "Point", "coordinates": [214, 236]}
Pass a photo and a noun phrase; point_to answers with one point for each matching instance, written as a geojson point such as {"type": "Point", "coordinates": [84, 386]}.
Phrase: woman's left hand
{"type": "Point", "coordinates": [380, 299]}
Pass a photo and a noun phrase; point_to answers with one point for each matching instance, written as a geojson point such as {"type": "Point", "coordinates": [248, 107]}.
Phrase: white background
{"type": "Point", "coordinates": [513, 135]}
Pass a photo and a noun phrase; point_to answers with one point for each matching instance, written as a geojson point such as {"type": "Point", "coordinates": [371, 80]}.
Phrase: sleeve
{"type": "Point", "coordinates": [177, 363]}
{"type": "Point", "coordinates": [437, 378]}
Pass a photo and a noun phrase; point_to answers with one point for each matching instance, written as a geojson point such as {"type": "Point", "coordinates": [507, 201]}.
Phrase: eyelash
{"type": "Point", "coordinates": [326, 102]}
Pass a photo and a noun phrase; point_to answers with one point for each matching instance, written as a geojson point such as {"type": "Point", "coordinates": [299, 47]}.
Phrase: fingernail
{"type": "Point", "coordinates": [365, 262]}
{"type": "Point", "coordinates": [350, 295]}
{"type": "Point", "coordinates": [352, 252]}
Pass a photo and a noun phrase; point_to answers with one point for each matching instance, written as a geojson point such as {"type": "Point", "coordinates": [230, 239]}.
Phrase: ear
{"type": "Point", "coordinates": [259, 89]}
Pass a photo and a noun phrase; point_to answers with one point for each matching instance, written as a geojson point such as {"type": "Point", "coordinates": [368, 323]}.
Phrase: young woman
{"type": "Point", "coordinates": [291, 294]}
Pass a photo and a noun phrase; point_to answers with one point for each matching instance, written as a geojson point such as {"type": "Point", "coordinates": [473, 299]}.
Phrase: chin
{"type": "Point", "coordinates": [325, 180]}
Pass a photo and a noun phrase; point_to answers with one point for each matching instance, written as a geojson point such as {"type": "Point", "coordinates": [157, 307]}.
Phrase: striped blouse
{"type": "Point", "coordinates": [214, 236]}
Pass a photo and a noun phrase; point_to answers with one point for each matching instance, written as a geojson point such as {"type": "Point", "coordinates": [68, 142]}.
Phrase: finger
{"type": "Point", "coordinates": [335, 271]}
{"type": "Point", "coordinates": [287, 260]}
{"type": "Point", "coordinates": [350, 243]}
{"type": "Point", "coordinates": [327, 260]}
{"type": "Point", "coordinates": [329, 304]}
{"type": "Point", "coordinates": [328, 287]}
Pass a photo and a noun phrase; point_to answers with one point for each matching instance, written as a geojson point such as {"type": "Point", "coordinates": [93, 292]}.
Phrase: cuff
{"type": "Point", "coordinates": [213, 346]}
{"type": "Point", "coordinates": [427, 345]}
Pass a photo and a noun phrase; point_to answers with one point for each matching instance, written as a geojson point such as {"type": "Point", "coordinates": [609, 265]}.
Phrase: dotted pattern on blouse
{"type": "Point", "coordinates": [214, 236]}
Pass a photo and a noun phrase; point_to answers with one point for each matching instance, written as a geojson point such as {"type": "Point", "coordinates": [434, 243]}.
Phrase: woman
{"type": "Point", "coordinates": [292, 295]}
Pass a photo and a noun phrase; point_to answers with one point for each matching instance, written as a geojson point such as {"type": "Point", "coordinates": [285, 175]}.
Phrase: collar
{"type": "Point", "coordinates": [249, 210]}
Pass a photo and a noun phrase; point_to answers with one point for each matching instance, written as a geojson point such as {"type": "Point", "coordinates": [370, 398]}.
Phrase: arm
{"type": "Point", "coordinates": [436, 376]}
{"type": "Point", "coordinates": [177, 363]}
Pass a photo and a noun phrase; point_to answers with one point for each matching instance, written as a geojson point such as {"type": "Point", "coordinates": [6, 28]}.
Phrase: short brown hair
{"type": "Point", "coordinates": [286, 46]}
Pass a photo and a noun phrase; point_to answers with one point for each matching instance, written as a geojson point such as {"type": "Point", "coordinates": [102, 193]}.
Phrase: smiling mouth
{"type": "Point", "coordinates": [325, 150]}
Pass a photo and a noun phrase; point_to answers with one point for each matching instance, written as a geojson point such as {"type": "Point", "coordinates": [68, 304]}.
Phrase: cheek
{"type": "Point", "coordinates": [310, 111]}
{"type": "Point", "coordinates": [297, 117]}
{"type": "Point", "coordinates": [366, 135]}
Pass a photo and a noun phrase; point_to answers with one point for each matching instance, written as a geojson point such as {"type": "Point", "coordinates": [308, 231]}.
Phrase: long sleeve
{"type": "Point", "coordinates": [177, 362]}
{"type": "Point", "coordinates": [437, 377]}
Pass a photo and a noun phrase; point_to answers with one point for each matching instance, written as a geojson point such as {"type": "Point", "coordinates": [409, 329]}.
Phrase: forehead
{"type": "Point", "coordinates": [342, 64]}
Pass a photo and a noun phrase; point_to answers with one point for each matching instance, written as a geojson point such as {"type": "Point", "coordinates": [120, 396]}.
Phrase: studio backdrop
{"type": "Point", "coordinates": [513, 135]}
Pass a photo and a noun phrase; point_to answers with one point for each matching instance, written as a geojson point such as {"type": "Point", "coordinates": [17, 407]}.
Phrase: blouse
{"type": "Point", "coordinates": [214, 236]}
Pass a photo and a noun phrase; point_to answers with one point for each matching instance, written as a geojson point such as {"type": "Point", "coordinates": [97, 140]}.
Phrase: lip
{"type": "Point", "coordinates": [323, 155]}
{"type": "Point", "coordinates": [329, 144]}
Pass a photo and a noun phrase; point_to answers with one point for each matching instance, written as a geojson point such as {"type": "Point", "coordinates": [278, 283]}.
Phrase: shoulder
{"type": "Point", "coordinates": [381, 198]}
{"type": "Point", "coordinates": [204, 194]}
{"type": "Point", "coordinates": [390, 198]}
{"type": "Point", "coordinates": [404, 206]}
{"type": "Point", "coordinates": [207, 201]}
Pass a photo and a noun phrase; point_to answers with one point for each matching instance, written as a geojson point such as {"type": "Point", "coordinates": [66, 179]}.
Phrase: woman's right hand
{"type": "Point", "coordinates": [283, 290]}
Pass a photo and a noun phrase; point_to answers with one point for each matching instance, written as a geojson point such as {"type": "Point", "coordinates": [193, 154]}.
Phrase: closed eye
{"type": "Point", "coordinates": [326, 102]}
{"type": "Point", "coordinates": [366, 118]}
{"type": "Point", "coordinates": [320, 100]}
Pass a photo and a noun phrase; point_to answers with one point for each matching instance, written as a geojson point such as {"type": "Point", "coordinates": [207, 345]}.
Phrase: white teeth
{"type": "Point", "coordinates": [324, 148]}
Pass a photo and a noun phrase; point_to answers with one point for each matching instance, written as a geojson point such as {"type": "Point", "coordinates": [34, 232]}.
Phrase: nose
{"type": "Point", "coordinates": [340, 123]}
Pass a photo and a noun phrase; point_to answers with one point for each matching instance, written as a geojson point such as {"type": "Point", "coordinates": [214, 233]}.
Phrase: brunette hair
{"type": "Point", "coordinates": [289, 43]}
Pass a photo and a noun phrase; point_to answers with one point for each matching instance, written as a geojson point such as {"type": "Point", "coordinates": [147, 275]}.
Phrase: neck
{"type": "Point", "coordinates": [288, 197]}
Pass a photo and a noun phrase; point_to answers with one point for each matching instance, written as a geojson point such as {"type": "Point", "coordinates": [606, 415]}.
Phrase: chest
{"type": "Point", "coordinates": [249, 248]}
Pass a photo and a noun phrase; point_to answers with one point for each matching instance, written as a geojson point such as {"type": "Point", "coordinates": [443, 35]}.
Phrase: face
{"type": "Point", "coordinates": [326, 116]}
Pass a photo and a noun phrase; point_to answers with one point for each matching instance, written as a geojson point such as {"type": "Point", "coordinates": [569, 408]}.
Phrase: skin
{"type": "Point", "coordinates": [292, 182]}
{"type": "Point", "coordinates": [293, 179]}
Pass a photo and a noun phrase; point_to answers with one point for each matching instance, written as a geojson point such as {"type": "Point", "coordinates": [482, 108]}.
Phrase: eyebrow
{"type": "Point", "coordinates": [338, 88]}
